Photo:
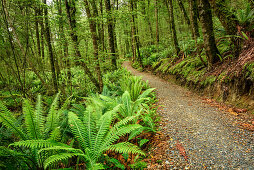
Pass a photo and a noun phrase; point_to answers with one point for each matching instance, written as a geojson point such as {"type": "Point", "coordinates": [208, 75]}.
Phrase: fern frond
{"type": "Point", "coordinates": [126, 147]}
{"type": "Point", "coordinates": [61, 148]}
{"type": "Point", "coordinates": [55, 134]}
{"type": "Point", "coordinates": [90, 126]}
{"type": "Point", "coordinates": [78, 129]}
{"type": "Point", "coordinates": [9, 121]}
{"type": "Point", "coordinates": [127, 120]}
{"type": "Point", "coordinates": [135, 133]}
{"type": "Point", "coordinates": [115, 133]}
{"type": "Point", "coordinates": [103, 126]}
{"type": "Point", "coordinates": [30, 123]}
{"type": "Point", "coordinates": [37, 144]}
{"type": "Point", "coordinates": [146, 93]}
{"type": "Point", "coordinates": [52, 118]}
{"type": "Point", "coordinates": [39, 119]}
{"type": "Point", "coordinates": [59, 158]}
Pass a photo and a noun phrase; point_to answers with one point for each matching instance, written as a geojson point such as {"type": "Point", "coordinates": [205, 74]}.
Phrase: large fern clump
{"type": "Point", "coordinates": [95, 135]}
{"type": "Point", "coordinates": [36, 127]}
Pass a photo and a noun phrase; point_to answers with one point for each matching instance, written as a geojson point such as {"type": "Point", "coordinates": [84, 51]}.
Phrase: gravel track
{"type": "Point", "coordinates": [211, 138]}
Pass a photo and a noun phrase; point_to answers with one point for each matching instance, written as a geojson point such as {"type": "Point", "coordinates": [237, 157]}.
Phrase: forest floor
{"type": "Point", "coordinates": [194, 133]}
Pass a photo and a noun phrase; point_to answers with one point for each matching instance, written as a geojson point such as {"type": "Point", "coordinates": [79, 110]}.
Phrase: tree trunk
{"type": "Point", "coordinates": [64, 43]}
{"type": "Point", "coordinates": [229, 22]}
{"type": "Point", "coordinates": [42, 33]}
{"type": "Point", "coordinates": [169, 5]}
{"type": "Point", "coordinates": [135, 40]}
{"type": "Point", "coordinates": [51, 55]}
{"type": "Point", "coordinates": [206, 21]}
{"type": "Point", "coordinates": [111, 34]}
{"type": "Point", "coordinates": [157, 22]}
{"type": "Point", "coordinates": [37, 32]}
{"type": "Point", "coordinates": [71, 12]}
{"type": "Point", "coordinates": [92, 26]}
{"type": "Point", "coordinates": [184, 12]}
{"type": "Point", "coordinates": [10, 38]}
{"type": "Point", "coordinates": [194, 18]}
{"type": "Point", "coordinates": [251, 4]}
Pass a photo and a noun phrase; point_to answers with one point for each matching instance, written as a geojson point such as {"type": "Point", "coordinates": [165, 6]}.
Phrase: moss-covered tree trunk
{"type": "Point", "coordinates": [64, 42]}
{"type": "Point", "coordinates": [71, 12]}
{"type": "Point", "coordinates": [229, 22]}
{"type": "Point", "coordinates": [251, 4]}
{"type": "Point", "coordinates": [194, 18]}
{"type": "Point", "coordinates": [186, 17]}
{"type": "Point", "coordinates": [51, 55]}
{"type": "Point", "coordinates": [93, 30]}
{"type": "Point", "coordinates": [135, 39]}
{"type": "Point", "coordinates": [111, 34]}
{"type": "Point", "coordinates": [157, 22]}
{"type": "Point", "coordinates": [169, 5]}
{"type": "Point", "coordinates": [206, 21]}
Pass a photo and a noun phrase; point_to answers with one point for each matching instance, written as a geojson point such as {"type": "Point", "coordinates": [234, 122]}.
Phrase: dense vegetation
{"type": "Point", "coordinates": [65, 101]}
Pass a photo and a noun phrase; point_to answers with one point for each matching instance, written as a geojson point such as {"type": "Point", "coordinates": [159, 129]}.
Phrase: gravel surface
{"type": "Point", "coordinates": [211, 138]}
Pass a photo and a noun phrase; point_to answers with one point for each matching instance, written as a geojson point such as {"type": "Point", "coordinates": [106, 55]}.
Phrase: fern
{"type": "Point", "coordinates": [28, 112]}
{"type": "Point", "coordinates": [61, 148]}
{"type": "Point", "coordinates": [126, 147]}
{"type": "Point", "coordinates": [38, 118]}
{"type": "Point", "coordinates": [37, 144]}
{"type": "Point", "coordinates": [78, 129]}
{"type": "Point", "coordinates": [59, 158]}
{"type": "Point", "coordinates": [52, 118]}
{"type": "Point", "coordinates": [8, 120]}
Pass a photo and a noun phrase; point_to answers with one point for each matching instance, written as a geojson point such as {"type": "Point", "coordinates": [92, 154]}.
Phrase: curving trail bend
{"type": "Point", "coordinates": [210, 137]}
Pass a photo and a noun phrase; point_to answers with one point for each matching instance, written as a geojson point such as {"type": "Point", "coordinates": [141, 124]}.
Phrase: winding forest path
{"type": "Point", "coordinates": [210, 138]}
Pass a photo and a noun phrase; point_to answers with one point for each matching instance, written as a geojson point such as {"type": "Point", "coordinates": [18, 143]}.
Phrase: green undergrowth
{"type": "Point", "coordinates": [92, 133]}
{"type": "Point", "coordinates": [190, 69]}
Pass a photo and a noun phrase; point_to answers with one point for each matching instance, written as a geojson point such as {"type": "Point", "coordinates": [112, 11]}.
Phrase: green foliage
{"type": "Point", "coordinates": [134, 85]}
{"type": "Point", "coordinates": [11, 159]}
{"type": "Point", "coordinates": [36, 130]}
{"type": "Point", "coordinates": [208, 81]}
{"type": "Point", "coordinates": [246, 18]}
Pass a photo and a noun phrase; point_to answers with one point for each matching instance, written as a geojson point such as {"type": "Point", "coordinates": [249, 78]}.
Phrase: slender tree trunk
{"type": "Point", "coordinates": [229, 22]}
{"type": "Point", "coordinates": [169, 5]}
{"type": "Point", "coordinates": [51, 55]}
{"type": "Point", "coordinates": [133, 44]}
{"type": "Point", "coordinates": [194, 18]}
{"type": "Point", "coordinates": [102, 27]}
{"type": "Point", "coordinates": [71, 12]}
{"type": "Point", "coordinates": [42, 33]}
{"type": "Point", "coordinates": [157, 22]}
{"type": "Point", "coordinates": [251, 4]}
{"type": "Point", "coordinates": [37, 31]}
{"type": "Point", "coordinates": [111, 34]}
{"type": "Point", "coordinates": [127, 44]}
{"type": "Point", "coordinates": [135, 40]}
{"type": "Point", "coordinates": [145, 12]}
{"type": "Point", "coordinates": [92, 26]}
{"type": "Point", "coordinates": [64, 43]}
{"type": "Point", "coordinates": [184, 12]}
{"type": "Point", "coordinates": [206, 21]}
{"type": "Point", "coordinates": [10, 38]}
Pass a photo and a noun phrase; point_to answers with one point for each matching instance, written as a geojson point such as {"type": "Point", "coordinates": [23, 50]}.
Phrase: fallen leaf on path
{"type": "Point", "coordinates": [181, 149]}
{"type": "Point", "coordinates": [239, 110]}
{"type": "Point", "coordinates": [230, 110]}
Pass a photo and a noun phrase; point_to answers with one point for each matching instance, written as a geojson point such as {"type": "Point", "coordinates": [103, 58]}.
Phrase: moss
{"type": "Point", "coordinates": [249, 71]}
{"type": "Point", "coordinates": [208, 81]}
{"type": "Point", "coordinates": [165, 64]}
